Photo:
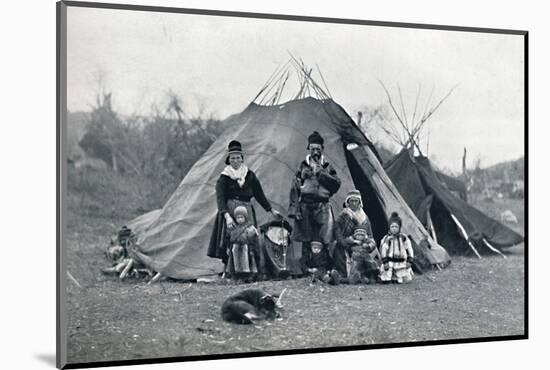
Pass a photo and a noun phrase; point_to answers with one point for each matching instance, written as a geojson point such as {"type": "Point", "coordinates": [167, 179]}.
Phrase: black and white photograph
{"type": "Point", "coordinates": [241, 184]}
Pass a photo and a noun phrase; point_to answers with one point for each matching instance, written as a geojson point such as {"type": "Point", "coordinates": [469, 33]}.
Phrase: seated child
{"type": "Point", "coordinates": [397, 254]}
{"type": "Point", "coordinates": [363, 267]}
{"type": "Point", "coordinates": [319, 265]}
{"type": "Point", "coordinates": [243, 246]}
{"type": "Point", "coordinates": [123, 261]}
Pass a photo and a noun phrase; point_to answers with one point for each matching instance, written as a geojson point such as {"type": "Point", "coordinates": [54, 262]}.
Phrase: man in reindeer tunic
{"type": "Point", "coordinates": [315, 182]}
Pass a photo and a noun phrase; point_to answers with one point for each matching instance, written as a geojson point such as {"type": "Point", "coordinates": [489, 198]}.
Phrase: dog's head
{"type": "Point", "coordinates": [268, 302]}
{"type": "Point", "coordinates": [269, 306]}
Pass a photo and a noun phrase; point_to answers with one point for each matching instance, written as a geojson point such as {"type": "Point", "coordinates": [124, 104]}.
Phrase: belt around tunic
{"type": "Point", "coordinates": [242, 199]}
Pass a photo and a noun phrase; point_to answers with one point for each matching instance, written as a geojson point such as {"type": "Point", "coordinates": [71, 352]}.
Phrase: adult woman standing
{"type": "Point", "coordinates": [351, 218]}
{"type": "Point", "coordinates": [236, 186]}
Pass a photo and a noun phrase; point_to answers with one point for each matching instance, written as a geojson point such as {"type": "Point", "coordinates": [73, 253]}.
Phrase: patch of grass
{"type": "Point", "coordinates": [125, 320]}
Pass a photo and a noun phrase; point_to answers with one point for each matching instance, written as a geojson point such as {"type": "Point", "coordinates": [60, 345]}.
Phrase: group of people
{"type": "Point", "coordinates": [341, 250]}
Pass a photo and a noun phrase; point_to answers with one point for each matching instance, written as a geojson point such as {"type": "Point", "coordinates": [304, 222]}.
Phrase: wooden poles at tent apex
{"type": "Point", "coordinates": [412, 128]}
{"type": "Point", "coordinates": [272, 91]}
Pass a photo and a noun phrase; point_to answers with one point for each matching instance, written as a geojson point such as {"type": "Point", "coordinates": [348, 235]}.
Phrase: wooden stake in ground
{"type": "Point", "coordinates": [278, 303]}
{"type": "Point", "coordinates": [73, 279]}
{"type": "Point", "coordinates": [127, 269]}
{"type": "Point", "coordinates": [155, 278]}
{"type": "Point", "coordinates": [493, 248]}
{"type": "Point", "coordinates": [465, 235]}
{"type": "Point", "coordinates": [431, 226]}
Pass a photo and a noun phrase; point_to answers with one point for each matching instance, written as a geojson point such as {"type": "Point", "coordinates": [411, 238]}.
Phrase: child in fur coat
{"type": "Point", "coordinates": [397, 254]}
{"type": "Point", "coordinates": [243, 245]}
{"type": "Point", "coordinates": [363, 267]}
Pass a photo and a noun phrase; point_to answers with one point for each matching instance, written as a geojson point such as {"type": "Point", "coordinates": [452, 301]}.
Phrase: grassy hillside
{"type": "Point", "coordinates": [507, 171]}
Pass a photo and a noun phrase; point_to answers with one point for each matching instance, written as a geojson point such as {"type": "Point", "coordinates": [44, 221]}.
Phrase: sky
{"type": "Point", "coordinates": [218, 64]}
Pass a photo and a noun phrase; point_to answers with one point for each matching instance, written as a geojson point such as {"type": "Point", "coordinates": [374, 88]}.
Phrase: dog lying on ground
{"type": "Point", "coordinates": [251, 304]}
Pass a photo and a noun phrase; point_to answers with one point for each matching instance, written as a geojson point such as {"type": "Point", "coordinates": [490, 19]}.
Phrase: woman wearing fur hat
{"type": "Point", "coordinates": [236, 186]}
{"type": "Point", "coordinates": [350, 219]}
{"type": "Point", "coordinates": [397, 253]}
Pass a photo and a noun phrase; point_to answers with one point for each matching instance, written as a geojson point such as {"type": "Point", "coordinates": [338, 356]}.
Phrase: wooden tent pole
{"type": "Point", "coordinates": [281, 83]}
{"type": "Point", "coordinates": [304, 72]}
{"type": "Point", "coordinates": [416, 103]}
{"type": "Point", "coordinates": [270, 80]}
{"type": "Point", "coordinates": [301, 81]}
{"type": "Point", "coordinates": [311, 83]}
{"type": "Point", "coordinates": [493, 248]}
{"type": "Point", "coordinates": [431, 226]}
{"type": "Point", "coordinates": [428, 104]}
{"type": "Point", "coordinates": [273, 84]}
{"type": "Point", "coordinates": [155, 278]}
{"type": "Point", "coordinates": [70, 276]}
{"type": "Point", "coordinates": [403, 109]}
{"type": "Point", "coordinates": [429, 113]}
{"type": "Point", "coordinates": [465, 235]}
{"type": "Point", "coordinates": [279, 302]}
{"type": "Point", "coordinates": [394, 109]}
{"type": "Point", "coordinates": [390, 134]}
{"type": "Point", "coordinates": [323, 79]}
{"type": "Point", "coordinates": [127, 269]}
{"type": "Point", "coordinates": [283, 87]}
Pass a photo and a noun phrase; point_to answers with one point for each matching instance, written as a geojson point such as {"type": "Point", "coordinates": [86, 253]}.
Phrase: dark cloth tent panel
{"type": "Point", "coordinates": [453, 184]}
{"type": "Point", "coordinates": [392, 201]}
{"type": "Point", "coordinates": [477, 224]}
{"type": "Point", "coordinates": [406, 179]}
{"type": "Point", "coordinates": [422, 181]}
{"type": "Point", "coordinates": [380, 194]}
{"type": "Point", "coordinates": [174, 239]}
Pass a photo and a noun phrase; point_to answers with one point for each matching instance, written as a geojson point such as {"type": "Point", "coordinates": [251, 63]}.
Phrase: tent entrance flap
{"type": "Point", "coordinates": [370, 177]}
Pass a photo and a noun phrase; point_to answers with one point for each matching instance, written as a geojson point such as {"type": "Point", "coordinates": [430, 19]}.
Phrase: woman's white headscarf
{"type": "Point", "coordinates": [359, 215]}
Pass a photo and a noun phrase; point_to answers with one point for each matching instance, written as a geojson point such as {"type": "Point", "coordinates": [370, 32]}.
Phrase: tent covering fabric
{"type": "Point", "coordinates": [453, 184]}
{"type": "Point", "coordinates": [423, 190]}
{"type": "Point", "coordinates": [174, 239]}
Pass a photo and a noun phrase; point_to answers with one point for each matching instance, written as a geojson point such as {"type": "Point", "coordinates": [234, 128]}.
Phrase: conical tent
{"type": "Point", "coordinates": [455, 221]}
{"type": "Point", "coordinates": [174, 239]}
{"type": "Point", "coordinates": [452, 222]}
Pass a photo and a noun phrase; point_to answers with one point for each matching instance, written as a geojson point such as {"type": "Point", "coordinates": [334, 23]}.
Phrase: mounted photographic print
{"type": "Point", "coordinates": [235, 185]}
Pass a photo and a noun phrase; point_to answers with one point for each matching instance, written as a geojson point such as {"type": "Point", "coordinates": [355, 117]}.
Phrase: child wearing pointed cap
{"type": "Point", "coordinates": [397, 253]}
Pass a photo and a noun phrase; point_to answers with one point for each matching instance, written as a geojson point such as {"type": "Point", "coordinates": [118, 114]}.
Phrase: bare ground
{"type": "Point", "coordinates": [113, 320]}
